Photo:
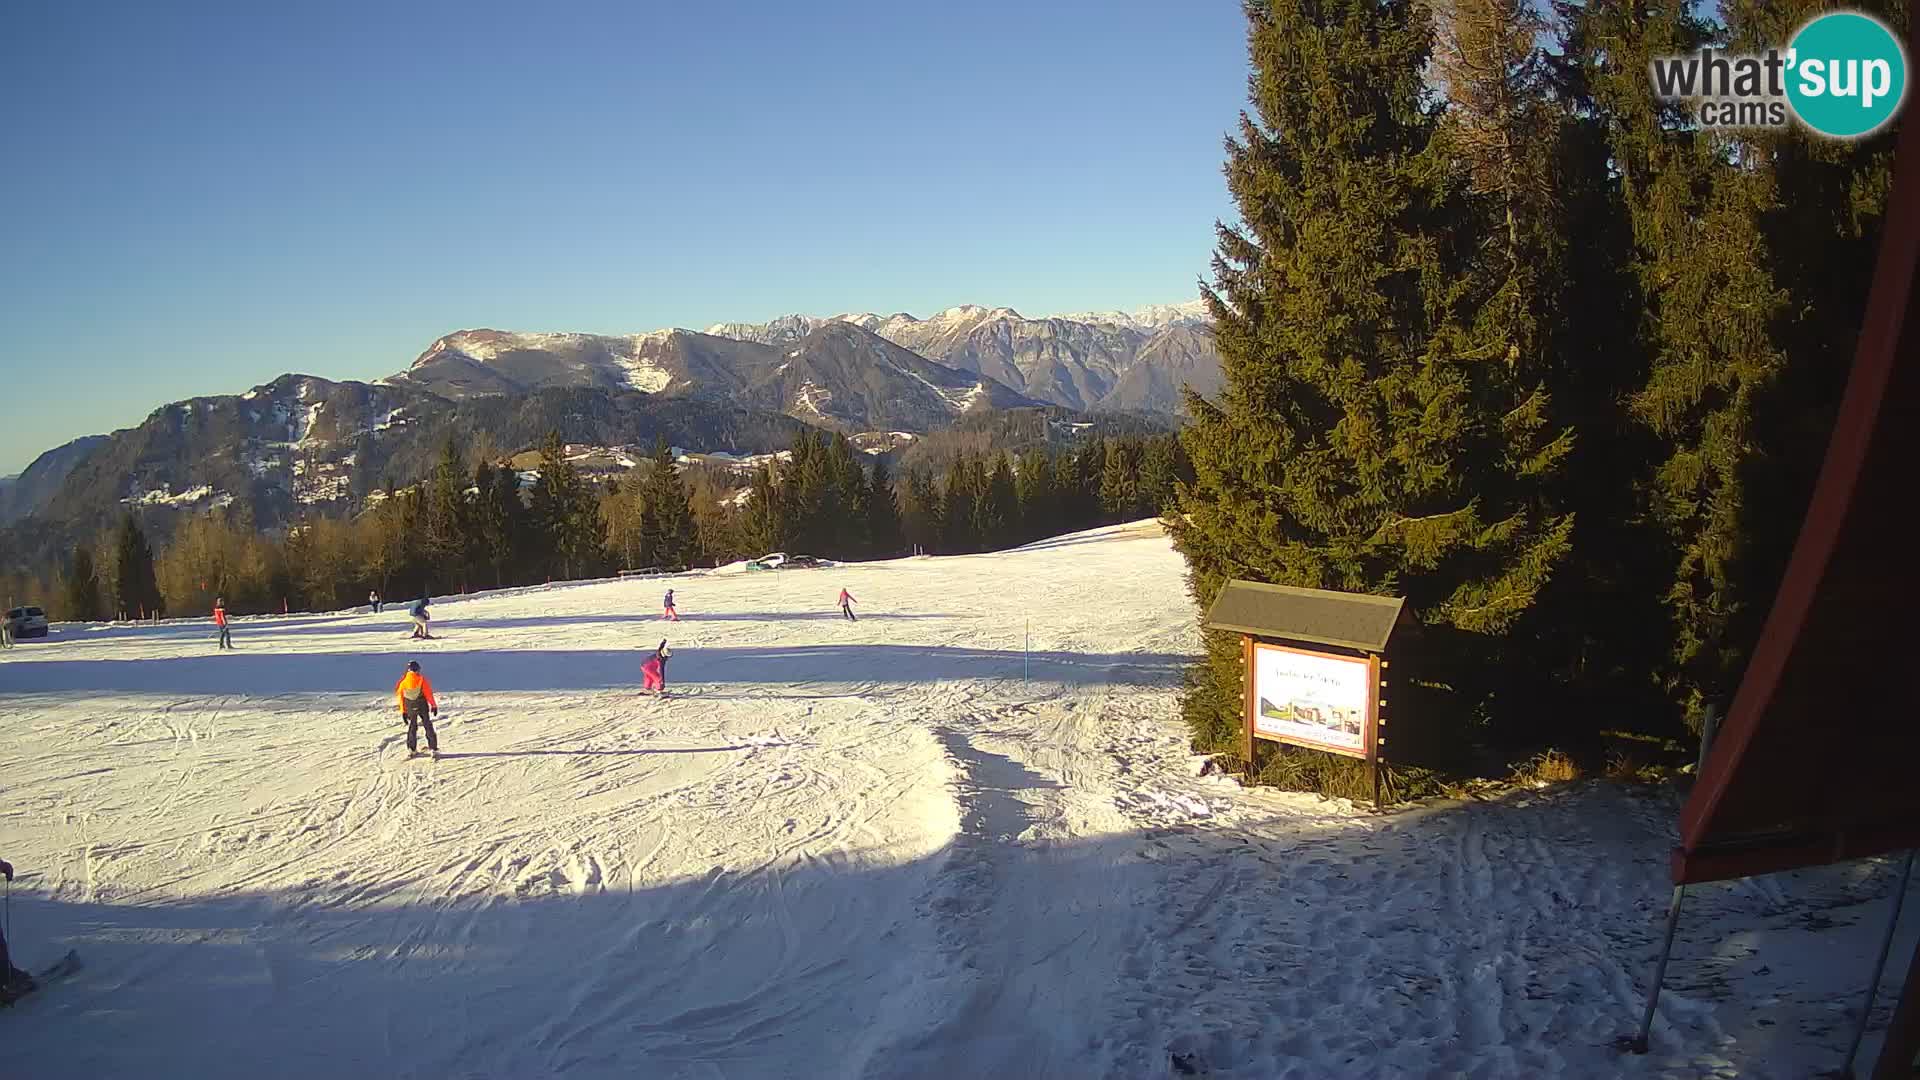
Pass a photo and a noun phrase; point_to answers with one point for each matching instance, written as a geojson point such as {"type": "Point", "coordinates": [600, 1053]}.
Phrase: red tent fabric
{"type": "Point", "coordinates": [1816, 759]}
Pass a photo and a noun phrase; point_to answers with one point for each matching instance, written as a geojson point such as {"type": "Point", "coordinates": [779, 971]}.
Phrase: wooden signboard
{"type": "Point", "coordinates": [1313, 660]}
{"type": "Point", "coordinates": [1319, 700]}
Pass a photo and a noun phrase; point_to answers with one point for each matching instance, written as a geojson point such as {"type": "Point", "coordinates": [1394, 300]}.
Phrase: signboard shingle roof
{"type": "Point", "coordinates": [1322, 616]}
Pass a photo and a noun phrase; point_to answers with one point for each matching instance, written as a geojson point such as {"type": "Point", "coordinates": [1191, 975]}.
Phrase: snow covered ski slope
{"type": "Point", "coordinates": [838, 849]}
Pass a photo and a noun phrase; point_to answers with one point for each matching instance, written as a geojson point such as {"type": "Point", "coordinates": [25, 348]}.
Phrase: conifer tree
{"type": "Point", "coordinates": [1119, 482]}
{"type": "Point", "coordinates": [958, 532]}
{"type": "Point", "coordinates": [921, 511]}
{"type": "Point", "coordinates": [448, 533]}
{"type": "Point", "coordinates": [1502, 126]}
{"type": "Point", "coordinates": [1709, 304]}
{"type": "Point", "coordinates": [83, 587]}
{"type": "Point", "coordinates": [813, 506]}
{"type": "Point", "coordinates": [763, 526]}
{"type": "Point", "coordinates": [670, 529]}
{"type": "Point", "coordinates": [134, 588]}
{"type": "Point", "coordinates": [1160, 471]}
{"type": "Point", "coordinates": [1083, 494]}
{"type": "Point", "coordinates": [884, 535]}
{"type": "Point", "coordinates": [566, 517]}
{"type": "Point", "coordinates": [848, 483]}
{"type": "Point", "coordinates": [1363, 440]}
{"type": "Point", "coordinates": [1000, 508]}
{"type": "Point", "coordinates": [1038, 503]}
{"type": "Point", "coordinates": [496, 513]}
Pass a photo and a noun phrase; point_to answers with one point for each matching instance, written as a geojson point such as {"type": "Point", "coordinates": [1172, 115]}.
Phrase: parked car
{"type": "Point", "coordinates": [801, 562]}
{"type": "Point", "coordinates": [771, 561]}
{"type": "Point", "coordinates": [26, 622]}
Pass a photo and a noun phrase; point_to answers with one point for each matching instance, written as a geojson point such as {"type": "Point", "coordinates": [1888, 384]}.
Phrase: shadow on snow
{"type": "Point", "coordinates": [265, 672]}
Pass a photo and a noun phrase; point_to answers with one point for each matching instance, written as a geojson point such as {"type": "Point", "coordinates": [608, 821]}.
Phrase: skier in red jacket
{"type": "Point", "coordinates": [220, 620]}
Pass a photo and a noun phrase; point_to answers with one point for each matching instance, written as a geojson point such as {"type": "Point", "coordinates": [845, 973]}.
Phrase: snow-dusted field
{"type": "Point", "coordinates": [849, 849]}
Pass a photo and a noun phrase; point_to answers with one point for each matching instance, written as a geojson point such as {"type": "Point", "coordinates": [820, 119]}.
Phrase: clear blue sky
{"type": "Point", "coordinates": [196, 198]}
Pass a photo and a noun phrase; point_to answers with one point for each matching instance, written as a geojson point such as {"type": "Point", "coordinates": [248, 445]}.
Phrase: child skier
{"type": "Point", "coordinates": [653, 673]}
{"type": "Point", "coordinates": [420, 621]}
{"type": "Point", "coordinates": [417, 708]}
{"type": "Point", "coordinates": [220, 620]}
{"type": "Point", "coordinates": [373, 600]}
{"type": "Point", "coordinates": [669, 614]}
{"type": "Point", "coordinates": [846, 605]}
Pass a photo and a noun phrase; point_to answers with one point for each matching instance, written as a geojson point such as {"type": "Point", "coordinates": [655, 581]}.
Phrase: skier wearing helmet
{"type": "Point", "coordinates": [417, 708]}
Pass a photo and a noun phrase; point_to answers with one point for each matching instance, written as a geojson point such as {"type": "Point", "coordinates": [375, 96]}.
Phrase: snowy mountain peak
{"type": "Point", "coordinates": [1147, 319]}
{"type": "Point", "coordinates": [973, 313]}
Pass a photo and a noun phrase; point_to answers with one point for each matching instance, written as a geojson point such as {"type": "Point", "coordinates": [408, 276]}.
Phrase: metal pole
{"type": "Point", "coordinates": [1879, 968]}
{"type": "Point", "coordinates": [1709, 724]}
{"type": "Point", "coordinates": [1026, 657]}
{"type": "Point", "coordinates": [1660, 970]}
{"type": "Point", "coordinates": [1639, 1043]}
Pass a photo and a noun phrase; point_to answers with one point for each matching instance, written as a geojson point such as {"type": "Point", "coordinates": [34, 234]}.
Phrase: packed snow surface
{"type": "Point", "coordinates": [897, 847]}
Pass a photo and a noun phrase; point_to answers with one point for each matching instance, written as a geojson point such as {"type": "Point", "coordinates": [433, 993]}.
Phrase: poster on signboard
{"type": "Point", "coordinates": [1311, 699]}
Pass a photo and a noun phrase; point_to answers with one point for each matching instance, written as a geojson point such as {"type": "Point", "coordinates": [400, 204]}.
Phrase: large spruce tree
{"type": "Point", "coordinates": [449, 528]}
{"type": "Point", "coordinates": [1708, 306]}
{"type": "Point", "coordinates": [921, 511]}
{"type": "Point", "coordinates": [1120, 481]}
{"type": "Point", "coordinates": [668, 519]}
{"type": "Point", "coordinates": [959, 525]}
{"type": "Point", "coordinates": [884, 536]}
{"type": "Point", "coordinates": [999, 507]}
{"type": "Point", "coordinates": [134, 588]}
{"type": "Point", "coordinates": [1039, 502]}
{"type": "Point", "coordinates": [497, 511]}
{"type": "Point", "coordinates": [765, 522]}
{"type": "Point", "coordinates": [82, 587]}
{"type": "Point", "coordinates": [1375, 432]}
{"type": "Point", "coordinates": [566, 517]}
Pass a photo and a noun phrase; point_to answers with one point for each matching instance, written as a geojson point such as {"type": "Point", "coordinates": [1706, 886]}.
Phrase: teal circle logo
{"type": "Point", "coordinates": [1848, 74]}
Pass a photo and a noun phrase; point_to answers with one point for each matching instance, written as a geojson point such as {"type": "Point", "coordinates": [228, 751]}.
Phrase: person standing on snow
{"type": "Point", "coordinates": [11, 978]}
{"type": "Point", "coordinates": [669, 614]}
{"type": "Point", "coordinates": [220, 620]}
{"type": "Point", "coordinates": [417, 707]}
{"type": "Point", "coordinates": [653, 673]}
{"type": "Point", "coordinates": [846, 605]}
{"type": "Point", "coordinates": [420, 621]}
{"type": "Point", "coordinates": [373, 600]}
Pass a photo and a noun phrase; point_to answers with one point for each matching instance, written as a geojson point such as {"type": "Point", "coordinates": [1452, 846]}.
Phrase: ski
{"type": "Point", "coordinates": [60, 969]}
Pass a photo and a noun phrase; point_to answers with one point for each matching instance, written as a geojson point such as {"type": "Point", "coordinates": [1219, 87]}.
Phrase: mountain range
{"type": "Point", "coordinates": [302, 442]}
{"type": "Point", "coordinates": [1112, 361]}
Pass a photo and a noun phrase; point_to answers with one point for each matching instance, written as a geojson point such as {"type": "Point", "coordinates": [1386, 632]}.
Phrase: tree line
{"type": "Point", "coordinates": [1507, 335]}
{"type": "Point", "coordinates": [486, 525]}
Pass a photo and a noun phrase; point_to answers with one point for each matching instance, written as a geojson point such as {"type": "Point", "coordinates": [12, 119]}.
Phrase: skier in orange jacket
{"type": "Point", "coordinates": [415, 695]}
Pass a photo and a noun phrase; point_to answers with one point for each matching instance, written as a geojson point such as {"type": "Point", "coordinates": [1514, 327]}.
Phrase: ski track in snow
{"type": "Point", "coordinates": [836, 849]}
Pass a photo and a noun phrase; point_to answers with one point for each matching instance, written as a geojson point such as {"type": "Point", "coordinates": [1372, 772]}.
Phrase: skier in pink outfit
{"type": "Point", "coordinates": [846, 605]}
{"type": "Point", "coordinates": [653, 673]}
